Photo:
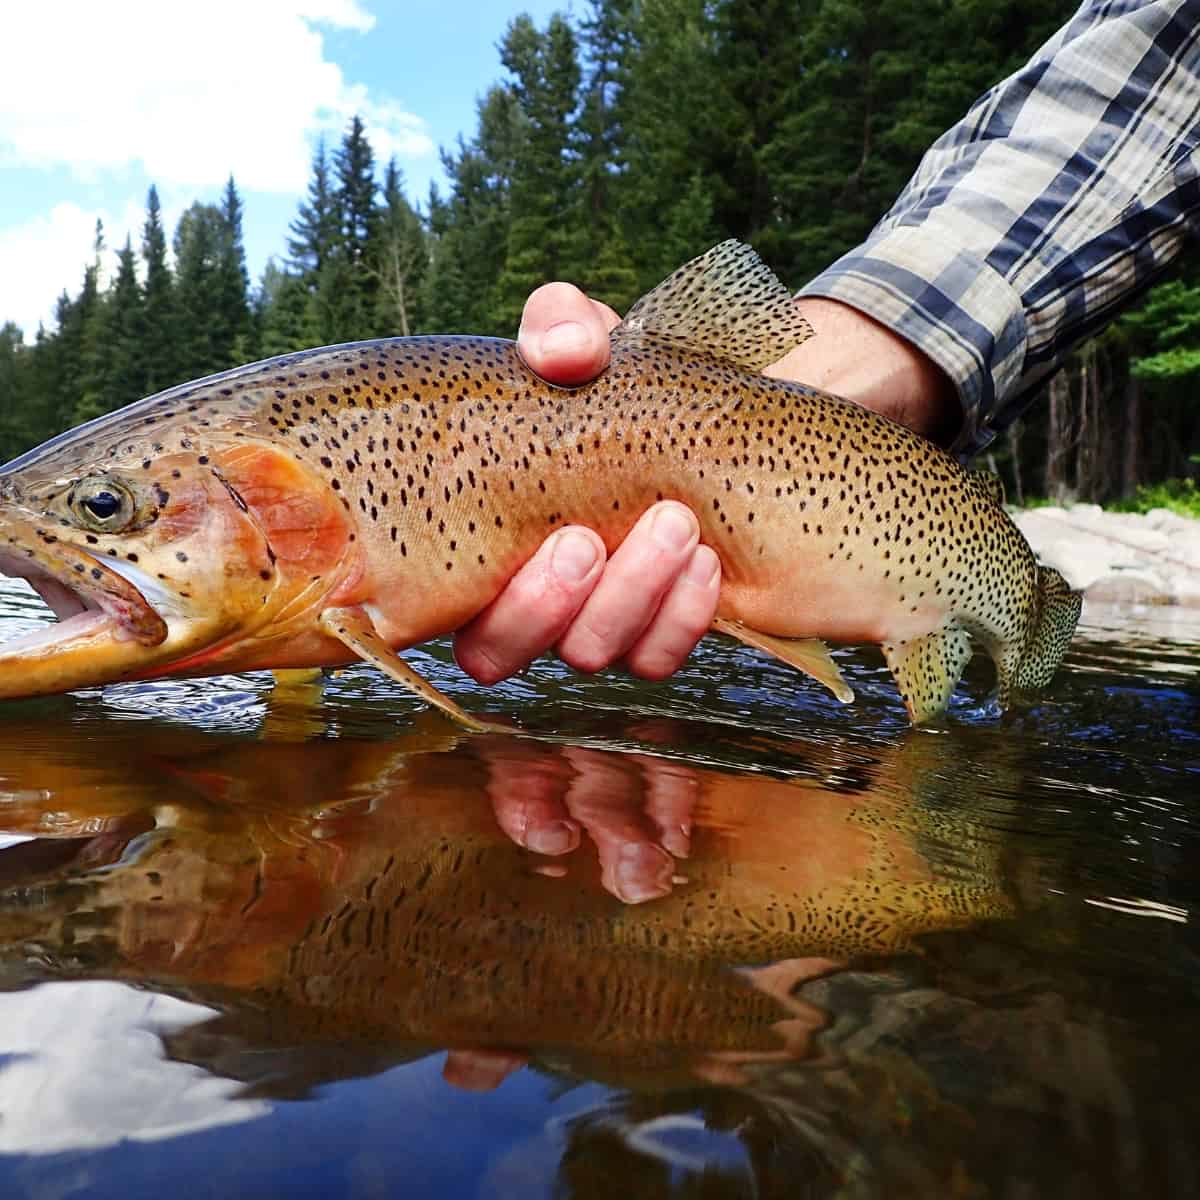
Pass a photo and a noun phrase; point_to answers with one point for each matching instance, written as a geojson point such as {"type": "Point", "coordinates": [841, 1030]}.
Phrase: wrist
{"type": "Point", "coordinates": [855, 357]}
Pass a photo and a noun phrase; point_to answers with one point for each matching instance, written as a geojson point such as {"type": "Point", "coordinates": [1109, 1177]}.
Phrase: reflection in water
{"type": "Point", "coordinates": [346, 905]}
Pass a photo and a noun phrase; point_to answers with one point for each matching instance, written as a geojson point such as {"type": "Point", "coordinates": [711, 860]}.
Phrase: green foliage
{"type": "Point", "coordinates": [160, 317]}
{"type": "Point", "coordinates": [398, 259]}
{"type": "Point", "coordinates": [1181, 496]}
{"type": "Point", "coordinates": [1166, 333]}
{"type": "Point", "coordinates": [615, 144]}
{"type": "Point", "coordinates": [545, 222]}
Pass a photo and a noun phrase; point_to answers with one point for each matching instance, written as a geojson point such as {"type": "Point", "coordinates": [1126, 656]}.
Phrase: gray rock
{"type": "Point", "coordinates": [1118, 558]}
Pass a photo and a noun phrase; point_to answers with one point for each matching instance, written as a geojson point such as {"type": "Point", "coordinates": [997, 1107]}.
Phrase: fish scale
{"type": "Point", "coordinates": [367, 497]}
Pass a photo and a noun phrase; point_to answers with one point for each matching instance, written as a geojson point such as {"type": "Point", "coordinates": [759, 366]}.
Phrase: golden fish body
{"type": "Point", "coordinates": [351, 500]}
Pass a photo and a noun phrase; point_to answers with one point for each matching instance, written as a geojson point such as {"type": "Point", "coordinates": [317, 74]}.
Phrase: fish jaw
{"type": "Point", "coordinates": [118, 621]}
{"type": "Point", "coordinates": [105, 625]}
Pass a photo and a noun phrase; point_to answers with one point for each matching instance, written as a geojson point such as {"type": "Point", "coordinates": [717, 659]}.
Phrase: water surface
{"type": "Point", "coordinates": [716, 937]}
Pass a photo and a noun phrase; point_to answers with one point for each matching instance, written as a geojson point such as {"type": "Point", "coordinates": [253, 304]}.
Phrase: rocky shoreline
{"type": "Point", "coordinates": [1116, 558]}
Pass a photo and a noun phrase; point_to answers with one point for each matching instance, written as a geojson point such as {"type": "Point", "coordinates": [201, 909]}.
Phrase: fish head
{"type": "Point", "coordinates": [172, 555]}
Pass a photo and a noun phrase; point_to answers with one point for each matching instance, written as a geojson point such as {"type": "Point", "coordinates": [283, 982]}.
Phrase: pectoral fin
{"type": "Point", "coordinates": [927, 669]}
{"type": "Point", "coordinates": [809, 655]}
{"type": "Point", "coordinates": [354, 628]}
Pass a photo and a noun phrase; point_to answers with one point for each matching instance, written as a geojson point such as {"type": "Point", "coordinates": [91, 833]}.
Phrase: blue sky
{"type": "Point", "coordinates": [182, 95]}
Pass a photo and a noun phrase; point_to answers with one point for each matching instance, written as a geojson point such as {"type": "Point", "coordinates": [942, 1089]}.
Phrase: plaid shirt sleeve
{"type": "Point", "coordinates": [1057, 199]}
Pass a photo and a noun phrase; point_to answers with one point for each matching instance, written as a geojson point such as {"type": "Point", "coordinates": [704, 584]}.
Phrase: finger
{"type": "Point", "coordinates": [672, 789]}
{"type": "Point", "coordinates": [534, 609]}
{"type": "Point", "coordinates": [527, 791]}
{"type": "Point", "coordinates": [480, 1070]}
{"type": "Point", "coordinates": [606, 798]}
{"type": "Point", "coordinates": [639, 575]}
{"type": "Point", "coordinates": [564, 334]}
{"type": "Point", "coordinates": [683, 618]}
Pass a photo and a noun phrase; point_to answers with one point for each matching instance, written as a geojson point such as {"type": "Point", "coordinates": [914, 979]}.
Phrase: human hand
{"type": "Point", "coordinates": [649, 604]}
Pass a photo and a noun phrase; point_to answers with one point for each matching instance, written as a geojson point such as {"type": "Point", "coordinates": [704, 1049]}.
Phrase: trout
{"type": "Point", "coordinates": [347, 502]}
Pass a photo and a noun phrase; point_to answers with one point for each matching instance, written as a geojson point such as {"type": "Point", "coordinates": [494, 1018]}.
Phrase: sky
{"type": "Point", "coordinates": [99, 100]}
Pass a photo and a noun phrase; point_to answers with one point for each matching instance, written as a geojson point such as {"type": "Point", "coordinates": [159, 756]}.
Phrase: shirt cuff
{"type": "Point", "coordinates": [945, 300]}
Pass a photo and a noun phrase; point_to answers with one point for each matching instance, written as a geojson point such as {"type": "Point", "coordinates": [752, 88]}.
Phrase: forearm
{"type": "Point", "coordinates": [1060, 195]}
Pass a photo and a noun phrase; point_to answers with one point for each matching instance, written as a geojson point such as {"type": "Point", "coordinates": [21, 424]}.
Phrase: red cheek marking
{"type": "Point", "coordinates": [306, 527]}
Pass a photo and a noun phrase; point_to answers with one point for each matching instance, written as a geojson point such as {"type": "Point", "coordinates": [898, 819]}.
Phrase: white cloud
{"type": "Point", "coordinates": [47, 254]}
{"type": "Point", "coordinates": [87, 1070]}
{"type": "Point", "coordinates": [191, 93]}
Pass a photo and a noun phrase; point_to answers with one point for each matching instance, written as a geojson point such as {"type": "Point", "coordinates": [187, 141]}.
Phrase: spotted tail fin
{"type": "Point", "coordinates": [1058, 613]}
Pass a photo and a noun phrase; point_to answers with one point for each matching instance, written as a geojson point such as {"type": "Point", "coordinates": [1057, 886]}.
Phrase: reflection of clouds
{"type": "Point", "coordinates": [83, 1067]}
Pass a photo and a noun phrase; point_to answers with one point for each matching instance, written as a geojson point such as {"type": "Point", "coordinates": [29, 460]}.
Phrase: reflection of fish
{"type": "Point", "coordinates": [357, 896]}
{"type": "Point", "coordinates": [342, 502]}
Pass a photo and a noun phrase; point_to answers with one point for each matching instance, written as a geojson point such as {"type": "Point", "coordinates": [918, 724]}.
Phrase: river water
{"type": "Point", "coordinates": [720, 936]}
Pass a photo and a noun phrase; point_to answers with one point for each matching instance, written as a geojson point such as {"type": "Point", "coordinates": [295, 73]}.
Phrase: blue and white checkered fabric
{"type": "Point", "coordinates": [1057, 199]}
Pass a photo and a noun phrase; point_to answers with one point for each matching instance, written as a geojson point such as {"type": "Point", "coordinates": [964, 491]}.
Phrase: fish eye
{"type": "Point", "coordinates": [103, 505]}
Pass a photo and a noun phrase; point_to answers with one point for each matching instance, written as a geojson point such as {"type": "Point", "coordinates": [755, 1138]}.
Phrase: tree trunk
{"type": "Point", "coordinates": [1014, 452]}
{"type": "Point", "coordinates": [1058, 426]}
{"type": "Point", "coordinates": [1133, 434]}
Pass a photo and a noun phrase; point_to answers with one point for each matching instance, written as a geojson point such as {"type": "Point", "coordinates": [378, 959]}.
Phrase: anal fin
{"type": "Point", "coordinates": [354, 628]}
{"type": "Point", "coordinates": [927, 669]}
{"type": "Point", "coordinates": [809, 655]}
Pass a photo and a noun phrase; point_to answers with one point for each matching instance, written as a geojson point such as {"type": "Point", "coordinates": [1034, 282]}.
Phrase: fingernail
{"type": "Point", "coordinates": [555, 837]}
{"type": "Point", "coordinates": [643, 873]}
{"type": "Point", "coordinates": [678, 841]}
{"type": "Point", "coordinates": [703, 567]}
{"type": "Point", "coordinates": [565, 338]}
{"type": "Point", "coordinates": [573, 556]}
{"type": "Point", "coordinates": [672, 528]}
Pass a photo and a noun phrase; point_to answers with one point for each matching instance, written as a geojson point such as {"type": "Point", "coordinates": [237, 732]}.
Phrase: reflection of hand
{"type": "Point", "coordinates": [480, 1070]}
{"type": "Point", "coordinates": [637, 809]}
{"type": "Point", "coordinates": [649, 604]}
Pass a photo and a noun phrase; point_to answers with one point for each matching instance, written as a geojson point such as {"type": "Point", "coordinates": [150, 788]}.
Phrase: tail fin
{"type": "Point", "coordinates": [1058, 613]}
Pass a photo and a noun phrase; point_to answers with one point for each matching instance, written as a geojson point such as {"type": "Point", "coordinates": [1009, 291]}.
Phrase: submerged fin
{"type": "Point", "coordinates": [926, 670]}
{"type": "Point", "coordinates": [989, 483]}
{"type": "Point", "coordinates": [287, 679]}
{"type": "Point", "coordinates": [1058, 614]}
{"type": "Point", "coordinates": [809, 655]}
{"type": "Point", "coordinates": [293, 706]}
{"type": "Point", "coordinates": [726, 304]}
{"type": "Point", "coordinates": [354, 628]}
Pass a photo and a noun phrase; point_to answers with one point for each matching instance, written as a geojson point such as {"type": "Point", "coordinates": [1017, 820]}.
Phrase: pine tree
{"type": "Point", "coordinates": [282, 312]}
{"type": "Point", "coordinates": [15, 398]}
{"type": "Point", "coordinates": [314, 232]}
{"type": "Point", "coordinates": [471, 227]}
{"type": "Point", "coordinates": [232, 337]}
{"type": "Point", "coordinates": [350, 290]}
{"type": "Point", "coordinates": [71, 363]}
{"type": "Point", "coordinates": [161, 328]}
{"type": "Point", "coordinates": [609, 270]}
{"type": "Point", "coordinates": [116, 374]}
{"type": "Point", "coordinates": [446, 303]}
{"type": "Point", "coordinates": [545, 233]}
{"type": "Point", "coordinates": [398, 258]}
{"type": "Point", "coordinates": [198, 246]}
{"type": "Point", "coordinates": [671, 120]}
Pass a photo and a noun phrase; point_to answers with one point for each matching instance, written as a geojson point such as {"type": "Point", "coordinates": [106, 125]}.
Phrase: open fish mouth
{"type": "Point", "coordinates": [90, 599]}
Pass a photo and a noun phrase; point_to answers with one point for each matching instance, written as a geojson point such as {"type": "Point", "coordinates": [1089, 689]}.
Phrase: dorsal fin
{"type": "Point", "coordinates": [727, 304]}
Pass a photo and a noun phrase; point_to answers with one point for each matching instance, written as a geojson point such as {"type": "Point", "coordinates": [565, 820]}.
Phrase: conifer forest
{"type": "Point", "coordinates": [615, 143]}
